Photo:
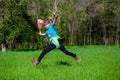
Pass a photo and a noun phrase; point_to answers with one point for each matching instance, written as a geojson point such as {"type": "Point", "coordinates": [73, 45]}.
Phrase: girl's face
{"type": "Point", "coordinates": [47, 26]}
{"type": "Point", "coordinates": [47, 23]}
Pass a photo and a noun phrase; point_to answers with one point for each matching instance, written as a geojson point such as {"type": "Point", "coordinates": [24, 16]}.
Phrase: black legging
{"type": "Point", "coordinates": [51, 47]}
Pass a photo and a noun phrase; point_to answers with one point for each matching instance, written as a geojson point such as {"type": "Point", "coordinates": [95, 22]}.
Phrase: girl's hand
{"type": "Point", "coordinates": [54, 12]}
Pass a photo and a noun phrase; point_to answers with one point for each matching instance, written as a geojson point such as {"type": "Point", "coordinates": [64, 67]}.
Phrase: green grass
{"type": "Point", "coordinates": [98, 63]}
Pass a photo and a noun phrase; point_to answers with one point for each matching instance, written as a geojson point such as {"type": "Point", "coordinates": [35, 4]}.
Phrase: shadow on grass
{"type": "Point", "coordinates": [63, 63]}
{"type": "Point", "coordinates": [58, 63]}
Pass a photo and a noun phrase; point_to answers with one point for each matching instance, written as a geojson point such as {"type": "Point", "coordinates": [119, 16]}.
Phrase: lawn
{"type": "Point", "coordinates": [98, 63]}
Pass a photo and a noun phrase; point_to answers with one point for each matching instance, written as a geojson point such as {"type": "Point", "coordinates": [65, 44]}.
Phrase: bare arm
{"type": "Point", "coordinates": [54, 17]}
{"type": "Point", "coordinates": [42, 34]}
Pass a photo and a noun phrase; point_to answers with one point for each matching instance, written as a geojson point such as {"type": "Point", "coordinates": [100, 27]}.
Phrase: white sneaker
{"type": "Point", "coordinates": [35, 62]}
{"type": "Point", "coordinates": [78, 59]}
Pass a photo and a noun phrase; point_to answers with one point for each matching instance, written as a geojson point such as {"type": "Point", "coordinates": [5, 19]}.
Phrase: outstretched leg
{"type": "Point", "coordinates": [46, 50]}
{"type": "Point", "coordinates": [62, 48]}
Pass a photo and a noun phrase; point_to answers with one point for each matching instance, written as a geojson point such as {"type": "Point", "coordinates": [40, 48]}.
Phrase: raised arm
{"type": "Point", "coordinates": [54, 17]}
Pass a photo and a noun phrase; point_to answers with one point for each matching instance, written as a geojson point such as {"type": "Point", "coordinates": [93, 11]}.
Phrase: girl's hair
{"type": "Point", "coordinates": [47, 21]}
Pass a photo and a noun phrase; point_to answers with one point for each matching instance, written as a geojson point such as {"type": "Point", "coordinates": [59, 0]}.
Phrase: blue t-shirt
{"type": "Point", "coordinates": [51, 31]}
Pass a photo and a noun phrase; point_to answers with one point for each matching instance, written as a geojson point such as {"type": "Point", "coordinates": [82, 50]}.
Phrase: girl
{"type": "Point", "coordinates": [55, 41]}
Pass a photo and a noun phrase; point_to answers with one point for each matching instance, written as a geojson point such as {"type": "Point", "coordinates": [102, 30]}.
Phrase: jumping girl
{"type": "Point", "coordinates": [55, 41]}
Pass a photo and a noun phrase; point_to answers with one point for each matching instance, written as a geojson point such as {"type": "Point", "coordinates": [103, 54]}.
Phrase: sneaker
{"type": "Point", "coordinates": [78, 59]}
{"type": "Point", "coordinates": [35, 62]}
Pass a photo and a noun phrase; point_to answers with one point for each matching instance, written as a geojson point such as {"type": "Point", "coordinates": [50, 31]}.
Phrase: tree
{"type": "Point", "coordinates": [80, 22]}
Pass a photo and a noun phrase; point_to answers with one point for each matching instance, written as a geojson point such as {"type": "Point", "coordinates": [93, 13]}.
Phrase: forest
{"type": "Point", "coordinates": [80, 22]}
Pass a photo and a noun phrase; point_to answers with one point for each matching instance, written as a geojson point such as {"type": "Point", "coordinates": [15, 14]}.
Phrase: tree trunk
{"type": "Point", "coordinates": [3, 47]}
{"type": "Point", "coordinates": [84, 39]}
{"type": "Point", "coordinates": [117, 41]}
{"type": "Point", "coordinates": [105, 40]}
{"type": "Point", "coordinates": [90, 31]}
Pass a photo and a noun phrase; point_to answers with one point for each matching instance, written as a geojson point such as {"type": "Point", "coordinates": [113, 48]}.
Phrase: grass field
{"type": "Point", "coordinates": [98, 63]}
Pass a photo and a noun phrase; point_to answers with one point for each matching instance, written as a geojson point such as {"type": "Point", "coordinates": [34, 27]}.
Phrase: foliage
{"type": "Point", "coordinates": [80, 22]}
